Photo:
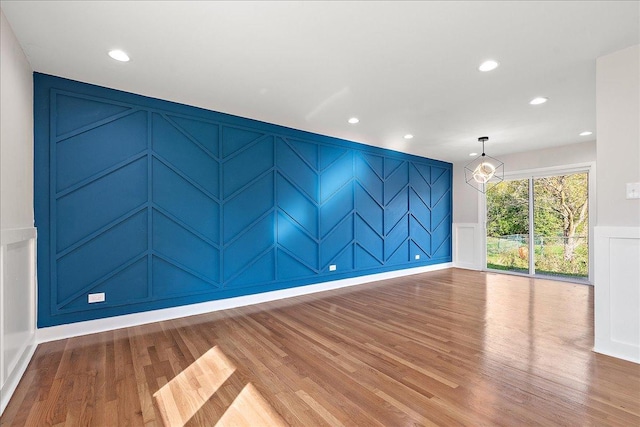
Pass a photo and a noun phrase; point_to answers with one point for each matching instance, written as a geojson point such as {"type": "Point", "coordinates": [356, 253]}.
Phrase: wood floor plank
{"type": "Point", "coordinates": [452, 347]}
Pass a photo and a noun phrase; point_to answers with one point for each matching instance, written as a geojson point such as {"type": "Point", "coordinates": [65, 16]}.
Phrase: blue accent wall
{"type": "Point", "coordinates": [159, 204]}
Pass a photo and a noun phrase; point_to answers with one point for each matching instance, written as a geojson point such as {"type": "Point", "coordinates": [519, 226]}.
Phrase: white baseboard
{"type": "Point", "coordinates": [624, 352]}
{"type": "Point", "coordinates": [100, 325]}
{"type": "Point", "coordinates": [467, 266]}
{"type": "Point", "coordinates": [15, 375]}
{"type": "Point", "coordinates": [617, 292]}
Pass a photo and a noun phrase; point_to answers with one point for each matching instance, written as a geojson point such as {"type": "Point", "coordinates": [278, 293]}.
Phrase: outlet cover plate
{"type": "Point", "coordinates": [633, 190]}
{"type": "Point", "coordinates": [99, 297]}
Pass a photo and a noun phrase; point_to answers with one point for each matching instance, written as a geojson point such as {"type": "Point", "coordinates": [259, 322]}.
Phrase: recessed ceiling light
{"type": "Point", "coordinates": [585, 133]}
{"type": "Point", "coordinates": [539, 100]}
{"type": "Point", "coordinates": [408, 136]}
{"type": "Point", "coordinates": [119, 55]}
{"type": "Point", "coordinates": [354, 120]}
{"type": "Point", "coordinates": [488, 65]}
{"type": "Point", "coordinates": [473, 154]}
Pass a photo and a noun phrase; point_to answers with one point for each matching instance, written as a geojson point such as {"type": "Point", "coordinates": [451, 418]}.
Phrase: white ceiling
{"type": "Point", "coordinates": [401, 67]}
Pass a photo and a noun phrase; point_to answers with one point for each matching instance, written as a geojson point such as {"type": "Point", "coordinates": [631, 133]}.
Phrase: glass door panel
{"type": "Point", "coordinates": [561, 225]}
{"type": "Point", "coordinates": [508, 226]}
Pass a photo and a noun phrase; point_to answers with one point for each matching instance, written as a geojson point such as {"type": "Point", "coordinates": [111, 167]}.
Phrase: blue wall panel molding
{"type": "Point", "coordinates": [159, 204]}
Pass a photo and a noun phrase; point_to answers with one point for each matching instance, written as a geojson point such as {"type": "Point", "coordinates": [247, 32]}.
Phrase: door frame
{"type": "Point", "coordinates": [589, 168]}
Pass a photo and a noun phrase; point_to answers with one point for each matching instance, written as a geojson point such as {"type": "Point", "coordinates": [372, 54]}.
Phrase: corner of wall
{"type": "Point", "coordinates": [17, 234]}
{"type": "Point", "coordinates": [467, 238]}
{"type": "Point", "coordinates": [617, 233]}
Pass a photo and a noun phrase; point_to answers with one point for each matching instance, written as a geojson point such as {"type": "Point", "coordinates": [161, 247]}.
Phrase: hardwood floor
{"type": "Point", "coordinates": [451, 347]}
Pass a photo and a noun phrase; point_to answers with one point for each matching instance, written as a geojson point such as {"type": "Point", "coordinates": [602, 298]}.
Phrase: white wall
{"type": "Point", "coordinates": [468, 215]}
{"type": "Point", "coordinates": [17, 232]}
{"type": "Point", "coordinates": [617, 234]}
{"type": "Point", "coordinates": [618, 123]}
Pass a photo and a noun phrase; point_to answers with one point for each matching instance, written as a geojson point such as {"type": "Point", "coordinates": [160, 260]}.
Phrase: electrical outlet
{"type": "Point", "coordinates": [99, 297]}
{"type": "Point", "coordinates": [633, 190]}
{"type": "Point", "coordinates": [417, 256]}
{"type": "Point", "coordinates": [332, 267]}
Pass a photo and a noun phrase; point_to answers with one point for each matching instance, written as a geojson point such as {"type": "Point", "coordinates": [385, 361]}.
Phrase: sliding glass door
{"type": "Point", "coordinates": [540, 226]}
{"type": "Point", "coordinates": [508, 226]}
{"type": "Point", "coordinates": [561, 224]}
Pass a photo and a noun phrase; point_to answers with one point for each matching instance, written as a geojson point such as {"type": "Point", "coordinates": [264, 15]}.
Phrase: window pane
{"type": "Point", "coordinates": [561, 225]}
{"type": "Point", "coordinates": [508, 226]}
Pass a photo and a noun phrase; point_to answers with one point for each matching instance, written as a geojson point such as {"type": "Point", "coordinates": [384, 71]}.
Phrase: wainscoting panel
{"type": "Point", "coordinates": [17, 307]}
{"type": "Point", "coordinates": [617, 292]}
{"type": "Point", "coordinates": [156, 205]}
{"type": "Point", "coordinates": [468, 245]}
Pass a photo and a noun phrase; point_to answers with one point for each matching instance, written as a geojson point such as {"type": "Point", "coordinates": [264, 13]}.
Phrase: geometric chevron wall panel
{"type": "Point", "coordinates": [157, 204]}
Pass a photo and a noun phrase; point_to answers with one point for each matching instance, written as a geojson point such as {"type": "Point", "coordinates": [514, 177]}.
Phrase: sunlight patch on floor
{"type": "Point", "coordinates": [187, 392]}
{"type": "Point", "coordinates": [250, 409]}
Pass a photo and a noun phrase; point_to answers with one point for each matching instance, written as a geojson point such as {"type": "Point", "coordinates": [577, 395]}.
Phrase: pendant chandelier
{"type": "Point", "coordinates": [483, 170]}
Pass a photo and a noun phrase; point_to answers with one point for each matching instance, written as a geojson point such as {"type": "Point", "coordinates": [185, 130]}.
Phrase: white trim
{"type": "Point", "coordinates": [482, 213]}
{"type": "Point", "coordinates": [17, 235]}
{"type": "Point", "coordinates": [2, 299]}
{"type": "Point", "coordinates": [593, 218]}
{"type": "Point", "coordinates": [462, 244]}
{"type": "Point", "coordinates": [619, 232]}
{"type": "Point", "coordinates": [16, 367]}
{"type": "Point", "coordinates": [14, 377]}
{"type": "Point", "coordinates": [551, 170]}
{"type": "Point", "coordinates": [608, 314]}
{"type": "Point", "coordinates": [100, 325]}
{"type": "Point", "coordinates": [532, 236]}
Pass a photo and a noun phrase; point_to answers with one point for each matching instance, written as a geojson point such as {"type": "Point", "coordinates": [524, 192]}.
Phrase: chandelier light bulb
{"type": "Point", "coordinates": [484, 172]}
{"type": "Point", "coordinates": [483, 169]}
